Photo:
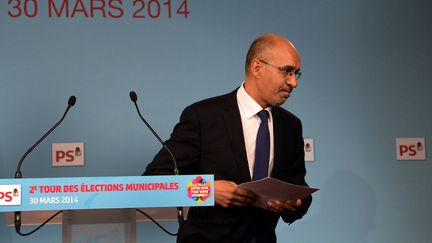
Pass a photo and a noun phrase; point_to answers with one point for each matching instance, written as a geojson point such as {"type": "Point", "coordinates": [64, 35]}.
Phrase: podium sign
{"type": "Point", "coordinates": [34, 194]}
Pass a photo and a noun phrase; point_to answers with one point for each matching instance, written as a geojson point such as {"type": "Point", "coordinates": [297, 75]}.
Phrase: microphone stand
{"type": "Point", "coordinates": [133, 96]}
{"type": "Point", "coordinates": [18, 174]}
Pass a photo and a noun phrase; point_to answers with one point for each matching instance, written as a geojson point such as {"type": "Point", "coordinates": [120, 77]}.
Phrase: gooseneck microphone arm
{"type": "Point", "coordinates": [71, 102]}
{"type": "Point", "coordinates": [134, 98]}
{"type": "Point", "coordinates": [18, 174]}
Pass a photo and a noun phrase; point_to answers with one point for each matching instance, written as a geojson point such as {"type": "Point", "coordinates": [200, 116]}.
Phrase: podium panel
{"type": "Point", "coordinates": [38, 217]}
{"type": "Point", "coordinates": [99, 225]}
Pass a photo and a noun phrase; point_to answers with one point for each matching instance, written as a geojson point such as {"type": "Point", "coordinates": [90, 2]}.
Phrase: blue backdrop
{"type": "Point", "coordinates": [366, 80]}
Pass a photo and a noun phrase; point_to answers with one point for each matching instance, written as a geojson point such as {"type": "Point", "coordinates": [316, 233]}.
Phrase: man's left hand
{"type": "Point", "coordinates": [284, 207]}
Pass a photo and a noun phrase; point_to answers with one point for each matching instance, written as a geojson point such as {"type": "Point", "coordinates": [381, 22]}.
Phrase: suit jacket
{"type": "Point", "coordinates": [208, 139]}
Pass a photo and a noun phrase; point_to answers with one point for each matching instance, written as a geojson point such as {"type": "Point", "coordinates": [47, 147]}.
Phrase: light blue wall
{"type": "Point", "coordinates": [366, 80]}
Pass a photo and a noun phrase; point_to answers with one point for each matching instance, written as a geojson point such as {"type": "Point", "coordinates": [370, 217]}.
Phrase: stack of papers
{"type": "Point", "coordinates": [273, 189]}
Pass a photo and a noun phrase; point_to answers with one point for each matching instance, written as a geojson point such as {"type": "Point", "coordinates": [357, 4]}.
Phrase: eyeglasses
{"type": "Point", "coordinates": [287, 71]}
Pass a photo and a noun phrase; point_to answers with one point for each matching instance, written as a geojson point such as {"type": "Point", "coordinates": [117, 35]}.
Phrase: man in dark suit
{"type": "Point", "coordinates": [219, 136]}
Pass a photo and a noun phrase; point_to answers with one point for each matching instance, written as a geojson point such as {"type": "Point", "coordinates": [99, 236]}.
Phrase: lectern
{"type": "Point", "coordinates": [103, 209]}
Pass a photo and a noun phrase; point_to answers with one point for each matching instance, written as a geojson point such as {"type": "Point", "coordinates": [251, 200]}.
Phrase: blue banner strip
{"type": "Point", "coordinates": [33, 194]}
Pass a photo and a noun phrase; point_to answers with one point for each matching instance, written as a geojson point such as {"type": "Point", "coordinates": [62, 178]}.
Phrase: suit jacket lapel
{"type": "Point", "coordinates": [235, 134]}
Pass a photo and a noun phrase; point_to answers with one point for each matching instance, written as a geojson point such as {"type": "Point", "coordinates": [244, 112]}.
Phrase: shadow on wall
{"type": "Point", "coordinates": [346, 212]}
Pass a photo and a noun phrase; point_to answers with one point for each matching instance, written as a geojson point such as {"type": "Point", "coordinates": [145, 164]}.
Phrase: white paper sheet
{"type": "Point", "coordinates": [273, 189]}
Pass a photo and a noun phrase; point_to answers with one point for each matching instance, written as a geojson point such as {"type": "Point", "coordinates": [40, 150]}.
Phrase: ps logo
{"type": "Point", "coordinates": [68, 154]}
{"type": "Point", "coordinates": [10, 195]}
{"type": "Point", "coordinates": [410, 149]}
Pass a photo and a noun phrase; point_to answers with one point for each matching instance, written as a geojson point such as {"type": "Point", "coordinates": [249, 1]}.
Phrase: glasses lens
{"type": "Point", "coordinates": [298, 75]}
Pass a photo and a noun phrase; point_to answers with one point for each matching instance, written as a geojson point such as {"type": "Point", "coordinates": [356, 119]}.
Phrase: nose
{"type": "Point", "coordinates": [292, 81]}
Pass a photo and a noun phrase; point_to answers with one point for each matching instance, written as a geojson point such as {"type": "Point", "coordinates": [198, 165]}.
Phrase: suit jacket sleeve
{"type": "Point", "coordinates": [297, 176]}
{"type": "Point", "coordinates": [183, 143]}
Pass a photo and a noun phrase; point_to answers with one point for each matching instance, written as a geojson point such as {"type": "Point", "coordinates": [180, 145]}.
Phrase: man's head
{"type": "Point", "coordinates": [272, 64]}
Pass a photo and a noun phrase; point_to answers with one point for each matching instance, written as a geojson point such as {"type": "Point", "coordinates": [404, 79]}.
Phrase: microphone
{"type": "Point", "coordinates": [18, 174]}
{"type": "Point", "coordinates": [71, 102]}
{"type": "Point", "coordinates": [134, 98]}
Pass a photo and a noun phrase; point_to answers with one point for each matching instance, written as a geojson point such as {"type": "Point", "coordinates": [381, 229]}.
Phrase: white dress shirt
{"type": "Point", "coordinates": [250, 122]}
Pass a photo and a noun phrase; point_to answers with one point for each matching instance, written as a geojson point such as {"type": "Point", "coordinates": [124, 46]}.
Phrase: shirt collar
{"type": "Point", "coordinates": [247, 104]}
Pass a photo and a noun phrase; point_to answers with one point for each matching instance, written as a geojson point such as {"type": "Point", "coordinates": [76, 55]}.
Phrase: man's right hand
{"type": "Point", "coordinates": [228, 194]}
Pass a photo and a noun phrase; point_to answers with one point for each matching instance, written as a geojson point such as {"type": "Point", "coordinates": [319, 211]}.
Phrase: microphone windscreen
{"type": "Point", "coordinates": [72, 100]}
{"type": "Point", "coordinates": [133, 96]}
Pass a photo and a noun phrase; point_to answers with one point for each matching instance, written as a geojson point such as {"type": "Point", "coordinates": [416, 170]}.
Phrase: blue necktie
{"type": "Point", "coordinates": [262, 149]}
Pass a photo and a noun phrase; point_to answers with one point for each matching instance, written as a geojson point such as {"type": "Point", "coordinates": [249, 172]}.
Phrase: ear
{"type": "Point", "coordinates": [256, 68]}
